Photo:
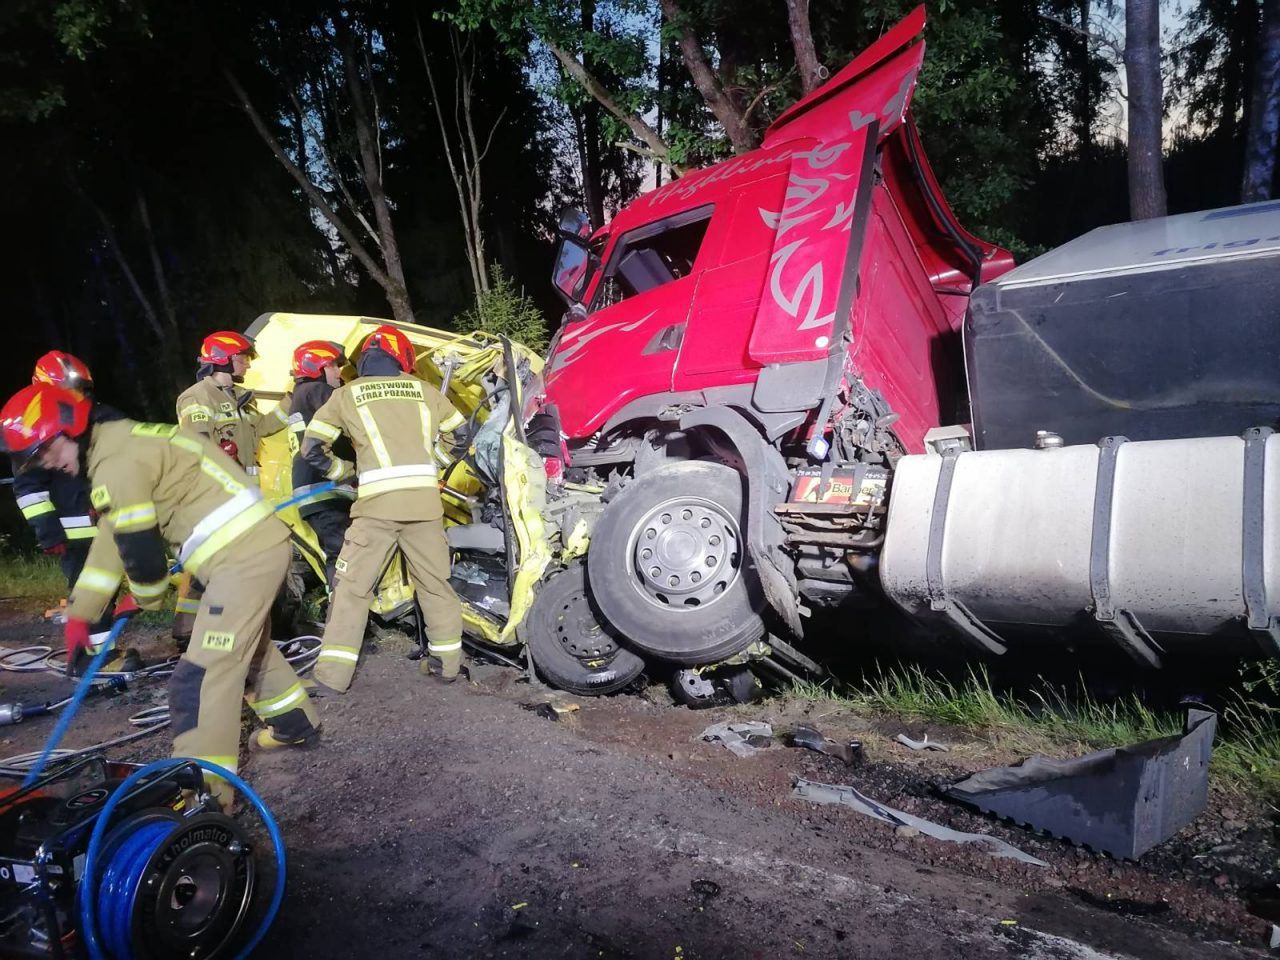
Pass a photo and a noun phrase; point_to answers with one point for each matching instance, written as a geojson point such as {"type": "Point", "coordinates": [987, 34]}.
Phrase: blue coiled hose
{"type": "Point", "coordinates": [115, 897]}
{"type": "Point", "coordinates": [118, 889]}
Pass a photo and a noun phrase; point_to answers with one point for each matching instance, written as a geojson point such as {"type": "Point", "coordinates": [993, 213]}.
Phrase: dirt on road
{"type": "Point", "coordinates": [453, 821]}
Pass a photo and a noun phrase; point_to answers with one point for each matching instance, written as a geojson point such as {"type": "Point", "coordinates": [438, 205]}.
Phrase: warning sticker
{"type": "Point", "coordinates": [398, 388]}
{"type": "Point", "coordinates": [220, 642]}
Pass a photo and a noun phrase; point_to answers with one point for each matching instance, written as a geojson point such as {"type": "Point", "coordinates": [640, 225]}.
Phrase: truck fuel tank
{"type": "Point", "coordinates": [1160, 543]}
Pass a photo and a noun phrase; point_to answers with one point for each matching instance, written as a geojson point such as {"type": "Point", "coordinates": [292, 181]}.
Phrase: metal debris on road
{"type": "Point", "coordinates": [925, 744]}
{"type": "Point", "coordinates": [551, 710]}
{"type": "Point", "coordinates": [1122, 800]}
{"type": "Point", "coordinates": [743, 737]}
{"type": "Point", "coordinates": [849, 797]}
{"type": "Point", "coordinates": [813, 739]}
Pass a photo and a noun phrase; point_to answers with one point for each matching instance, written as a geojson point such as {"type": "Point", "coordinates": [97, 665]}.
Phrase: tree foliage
{"type": "Point", "coordinates": [149, 209]}
{"type": "Point", "coordinates": [506, 310]}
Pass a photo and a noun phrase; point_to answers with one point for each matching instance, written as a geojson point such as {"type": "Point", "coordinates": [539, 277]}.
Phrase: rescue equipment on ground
{"type": "Point", "coordinates": [119, 861]}
{"type": "Point", "coordinates": [176, 875]}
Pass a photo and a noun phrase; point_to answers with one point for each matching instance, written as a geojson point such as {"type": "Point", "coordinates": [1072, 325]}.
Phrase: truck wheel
{"type": "Point", "coordinates": [668, 564]}
{"type": "Point", "coordinates": [572, 649]}
{"type": "Point", "coordinates": [721, 688]}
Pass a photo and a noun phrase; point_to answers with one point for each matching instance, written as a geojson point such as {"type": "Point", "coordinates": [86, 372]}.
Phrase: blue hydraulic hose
{"type": "Point", "coordinates": [310, 494]}
{"type": "Point", "coordinates": [77, 698]}
{"type": "Point", "coordinates": [113, 900]}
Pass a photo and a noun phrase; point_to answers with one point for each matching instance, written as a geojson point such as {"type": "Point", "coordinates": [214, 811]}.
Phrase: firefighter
{"type": "Point", "coordinates": [317, 372]}
{"type": "Point", "coordinates": [218, 409]}
{"type": "Point", "coordinates": [392, 419]}
{"type": "Point", "coordinates": [152, 484]}
{"type": "Point", "coordinates": [56, 505]}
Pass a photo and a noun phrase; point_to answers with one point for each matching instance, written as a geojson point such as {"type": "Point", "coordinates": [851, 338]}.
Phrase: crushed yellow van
{"type": "Point", "coordinates": [511, 558]}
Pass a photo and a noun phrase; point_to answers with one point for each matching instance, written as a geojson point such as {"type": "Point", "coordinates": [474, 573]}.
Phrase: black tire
{"type": "Point", "coordinates": [572, 647]}
{"type": "Point", "coordinates": [692, 513]}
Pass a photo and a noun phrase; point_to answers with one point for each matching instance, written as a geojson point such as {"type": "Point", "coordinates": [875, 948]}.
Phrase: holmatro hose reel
{"type": "Point", "coordinates": [116, 861]}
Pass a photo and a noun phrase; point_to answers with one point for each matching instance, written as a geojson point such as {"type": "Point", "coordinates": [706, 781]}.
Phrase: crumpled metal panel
{"type": "Point", "coordinates": [1122, 801]}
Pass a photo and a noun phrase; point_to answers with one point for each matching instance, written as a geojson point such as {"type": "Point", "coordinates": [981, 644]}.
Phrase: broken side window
{"type": "Point", "coordinates": [652, 255]}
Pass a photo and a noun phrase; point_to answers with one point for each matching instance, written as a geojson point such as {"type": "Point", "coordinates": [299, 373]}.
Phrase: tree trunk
{"type": "Point", "coordinates": [371, 166]}
{"type": "Point", "coordinates": [309, 189]}
{"type": "Point", "coordinates": [636, 124]}
{"type": "Point", "coordinates": [802, 40]}
{"type": "Point", "coordinates": [1083, 109]}
{"type": "Point", "coordinates": [466, 156]}
{"type": "Point", "coordinates": [1264, 114]}
{"type": "Point", "coordinates": [592, 181]}
{"type": "Point", "coordinates": [157, 265]}
{"type": "Point", "coordinates": [708, 84]}
{"type": "Point", "coordinates": [1142, 71]}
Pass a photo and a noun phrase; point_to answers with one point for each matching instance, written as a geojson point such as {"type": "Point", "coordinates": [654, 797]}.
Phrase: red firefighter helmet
{"type": "Point", "coordinates": [310, 359]}
{"type": "Point", "coordinates": [393, 343]}
{"type": "Point", "coordinates": [61, 369]}
{"type": "Point", "coordinates": [38, 413]}
{"type": "Point", "coordinates": [218, 348]}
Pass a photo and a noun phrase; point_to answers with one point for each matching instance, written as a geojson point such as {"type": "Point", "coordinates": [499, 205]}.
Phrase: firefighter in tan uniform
{"type": "Point", "coordinates": [392, 420]}
{"type": "Point", "coordinates": [150, 485]}
{"type": "Point", "coordinates": [216, 408]}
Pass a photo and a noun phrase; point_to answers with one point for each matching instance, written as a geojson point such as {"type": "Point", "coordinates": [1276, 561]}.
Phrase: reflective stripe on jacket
{"type": "Point", "coordinates": [54, 504]}
{"type": "Point", "coordinates": [158, 491]}
{"type": "Point", "coordinates": [211, 412]}
{"type": "Point", "coordinates": [392, 423]}
{"type": "Point", "coordinates": [308, 397]}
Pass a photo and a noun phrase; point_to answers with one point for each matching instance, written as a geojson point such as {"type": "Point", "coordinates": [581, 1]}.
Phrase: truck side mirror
{"type": "Point", "coordinates": [574, 223]}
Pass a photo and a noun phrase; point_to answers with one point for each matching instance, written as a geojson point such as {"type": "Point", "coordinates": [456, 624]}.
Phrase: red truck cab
{"type": "Point", "coordinates": [774, 280]}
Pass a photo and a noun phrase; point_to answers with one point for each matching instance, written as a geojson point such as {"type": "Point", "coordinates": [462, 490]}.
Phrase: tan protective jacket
{"type": "Point", "coordinates": [393, 423]}
{"type": "Point", "coordinates": [216, 413]}
{"type": "Point", "coordinates": [155, 488]}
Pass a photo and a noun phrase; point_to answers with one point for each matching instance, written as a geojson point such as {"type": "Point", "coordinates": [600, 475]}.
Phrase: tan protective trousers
{"type": "Point", "coordinates": [231, 659]}
{"type": "Point", "coordinates": [188, 605]}
{"type": "Point", "coordinates": [365, 552]}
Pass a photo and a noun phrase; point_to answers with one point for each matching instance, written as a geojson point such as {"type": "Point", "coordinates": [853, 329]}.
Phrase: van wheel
{"type": "Point", "coordinates": [572, 648]}
{"type": "Point", "coordinates": [668, 564]}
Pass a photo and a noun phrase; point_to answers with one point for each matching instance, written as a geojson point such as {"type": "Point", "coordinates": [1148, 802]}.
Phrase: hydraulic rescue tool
{"type": "Point", "coordinates": [121, 862]}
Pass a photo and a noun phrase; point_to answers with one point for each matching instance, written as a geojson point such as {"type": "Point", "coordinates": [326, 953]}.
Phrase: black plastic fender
{"type": "Point", "coordinates": [767, 483]}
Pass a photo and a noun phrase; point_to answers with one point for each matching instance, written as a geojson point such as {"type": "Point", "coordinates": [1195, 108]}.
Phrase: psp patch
{"type": "Point", "coordinates": [218, 642]}
{"type": "Point", "coordinates": [100, 497]}
{"type": "Point", "coordinates": [340, 565]}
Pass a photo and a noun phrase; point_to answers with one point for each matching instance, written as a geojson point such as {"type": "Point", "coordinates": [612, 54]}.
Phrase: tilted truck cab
{"type": "Point", "coordinates": [762, 377]}
{"type": "Point", "coordinates": [764, 280]}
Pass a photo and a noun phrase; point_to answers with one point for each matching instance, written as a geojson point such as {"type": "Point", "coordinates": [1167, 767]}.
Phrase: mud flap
{"type": "Point", "coordinates": [1122, 801]}
{"type": "Point", "coordinates": [767, 483]}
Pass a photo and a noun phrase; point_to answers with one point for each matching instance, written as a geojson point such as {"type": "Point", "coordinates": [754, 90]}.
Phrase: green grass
{"type": "Point", "coordinates": [1246, 756]}
{"type": "Point", "coordinates": [31, 577]}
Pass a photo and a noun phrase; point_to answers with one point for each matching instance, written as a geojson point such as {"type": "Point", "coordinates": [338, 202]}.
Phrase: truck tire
{"type": "Point", "coordinates": [668, 565]}
{"type": "Point", "coordinates": [572, 648]}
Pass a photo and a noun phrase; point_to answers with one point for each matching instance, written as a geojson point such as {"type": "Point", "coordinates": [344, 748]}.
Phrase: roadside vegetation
{"type": "Point", "coordinates": [31, 577]}
{"type": "Point", "coordinates": [1246, 757]}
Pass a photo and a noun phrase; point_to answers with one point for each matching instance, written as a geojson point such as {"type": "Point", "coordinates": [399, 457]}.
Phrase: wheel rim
{"type": "Point", "coordinates": [580, 633]}
{"type": "Point", "coordinates": [685, 553]}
